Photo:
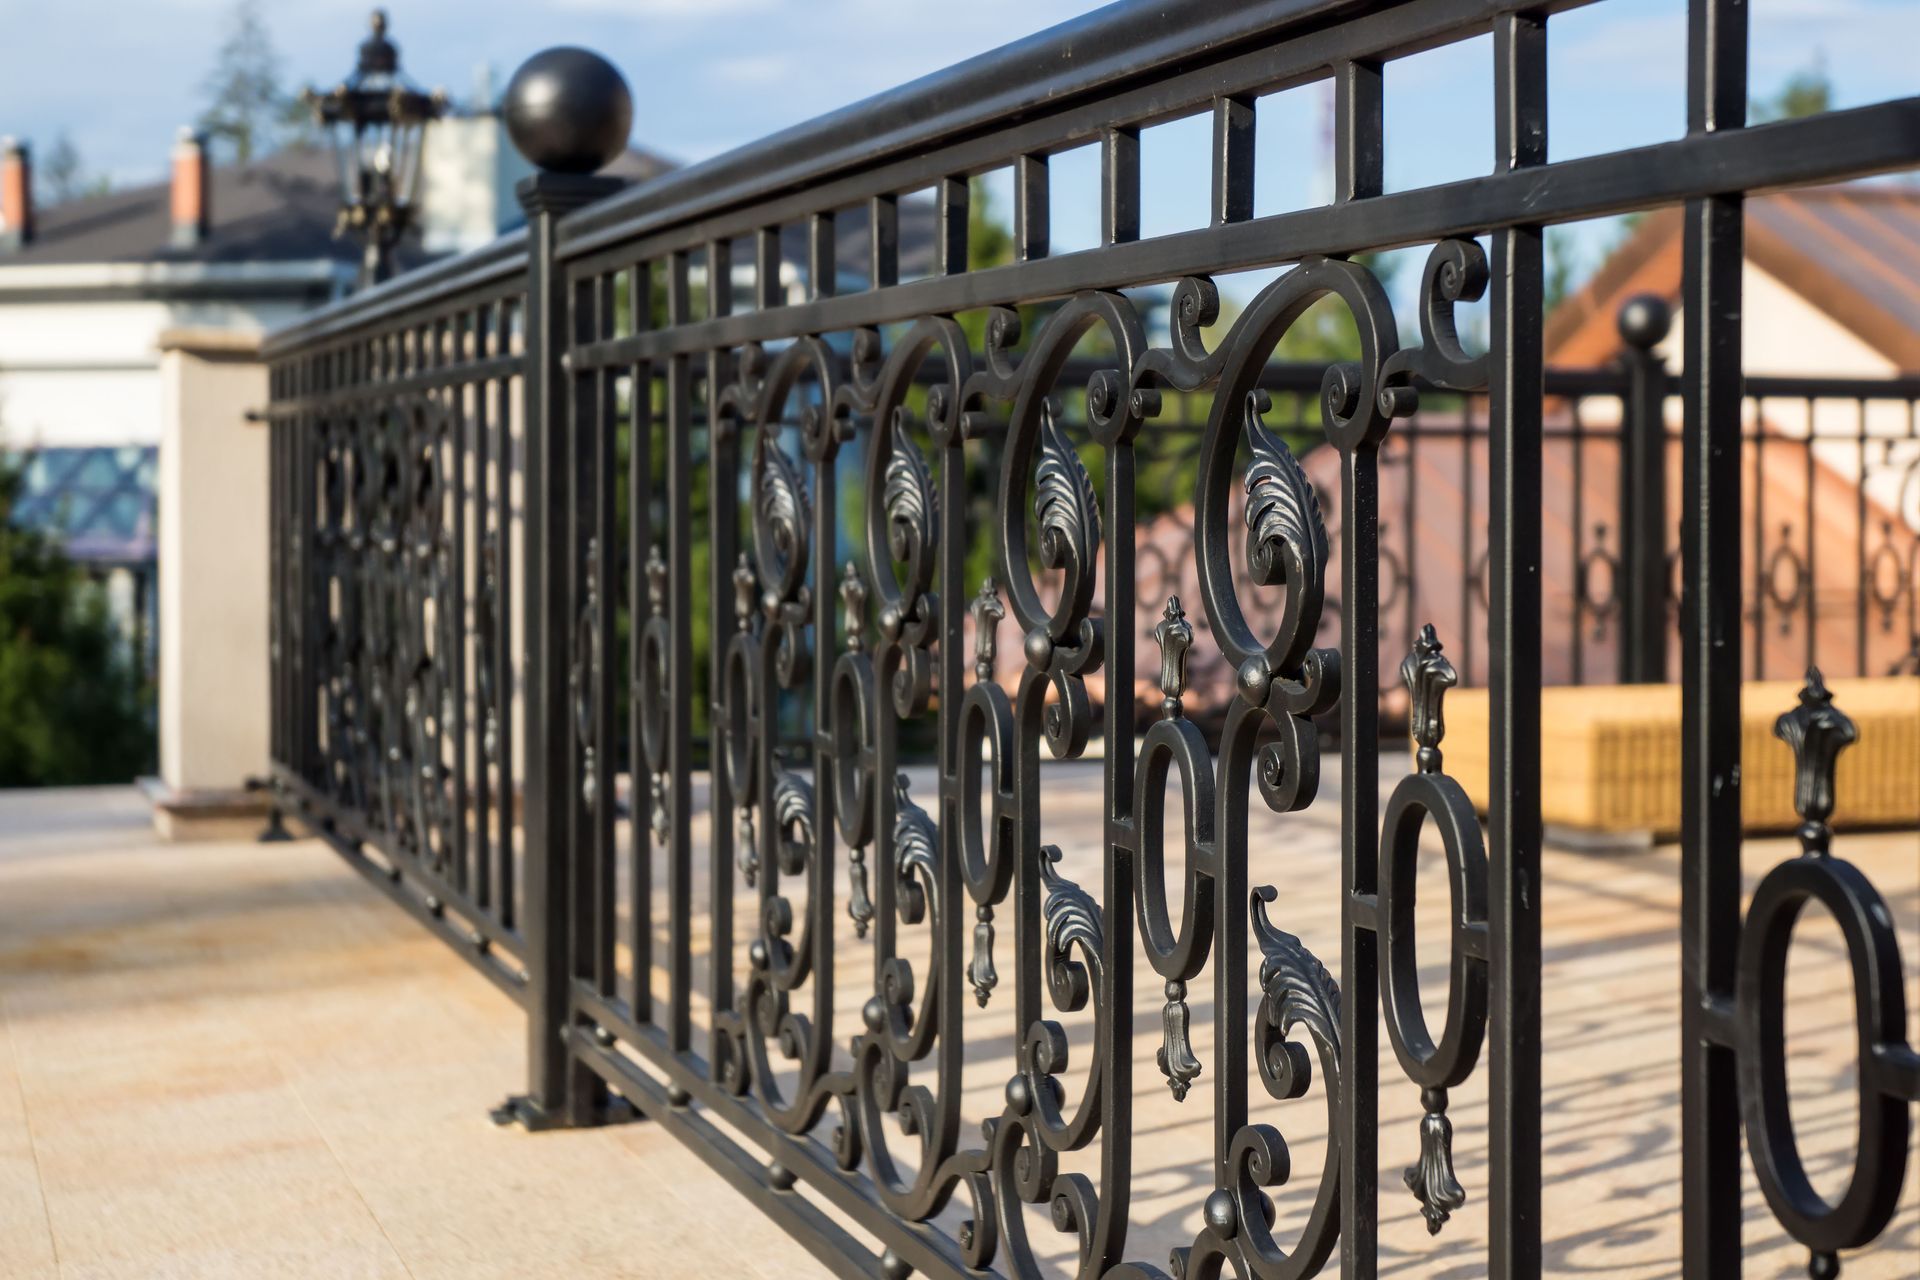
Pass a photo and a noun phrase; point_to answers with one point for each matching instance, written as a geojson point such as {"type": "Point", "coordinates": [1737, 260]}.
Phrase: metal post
{"type": "Point", "coordinates": [1644, 322]}
{"type": "Point", "coordinates": [555, 110]}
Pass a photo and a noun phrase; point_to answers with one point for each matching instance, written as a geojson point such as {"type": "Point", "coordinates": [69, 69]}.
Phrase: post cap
{"type": "Point", "coordinates": [1644, 320]}
{"type": "Point", "coordinates": [568, 110]}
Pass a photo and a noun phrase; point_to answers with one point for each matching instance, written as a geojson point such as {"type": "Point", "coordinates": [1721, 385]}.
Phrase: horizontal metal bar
{"type": "Point", "coordinates": [1840, 144]}
{"type": "Point", "coordinates": [344, 827]}
{"type": "Point", "coordinates": [426, 288]}
{"type": "Point", "coordinates": [819, 1234]}
{"type": "Point", "coordinates": [807, 1158]}
{"type": "Point", "coordinates": [1904, 386]}
{"type": "Point", "coordinates": [454, 375]}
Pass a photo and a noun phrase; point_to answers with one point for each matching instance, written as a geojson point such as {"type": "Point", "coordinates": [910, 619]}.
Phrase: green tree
{"type": "Point", "coordinates": [71, 706]}
{"type": "Point", "coordinates": [247, 111]}
{"type": "Point", "coordinates": [1807, 92]}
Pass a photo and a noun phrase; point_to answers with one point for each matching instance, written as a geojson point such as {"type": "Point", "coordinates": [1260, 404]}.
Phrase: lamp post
{"type": "Point", "coordinates": [376, 120]}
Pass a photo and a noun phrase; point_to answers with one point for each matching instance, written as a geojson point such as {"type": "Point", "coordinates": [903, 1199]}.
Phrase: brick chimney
{"type": "Point", "coordinates": [192, 189]}
{"type": "Point", "coordinates": [16, 194]}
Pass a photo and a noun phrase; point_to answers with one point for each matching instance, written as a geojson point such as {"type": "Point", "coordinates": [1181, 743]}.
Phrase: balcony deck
{"type": "Point", "coordinates": [241, 1060]}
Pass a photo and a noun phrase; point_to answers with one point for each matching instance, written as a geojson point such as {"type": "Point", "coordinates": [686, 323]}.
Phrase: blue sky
{"type": "Point", "coordinates": [119, 76]}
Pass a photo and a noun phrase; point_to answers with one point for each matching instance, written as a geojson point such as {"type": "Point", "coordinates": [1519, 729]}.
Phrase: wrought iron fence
{"type": "Point", "coordinates": [1830, 515]}
{"type": "Point", "coordinates": [597, 595]}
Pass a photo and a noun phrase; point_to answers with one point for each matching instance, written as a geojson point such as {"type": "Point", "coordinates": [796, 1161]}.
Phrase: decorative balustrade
{"type": "Point", "coordinates": [699, 576]}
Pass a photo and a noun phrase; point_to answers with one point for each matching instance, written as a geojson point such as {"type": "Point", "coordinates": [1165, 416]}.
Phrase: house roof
{"type": "Point", "coordinates": [1852, 250]}
{"type": "Point", "coordinates": [279, 208]}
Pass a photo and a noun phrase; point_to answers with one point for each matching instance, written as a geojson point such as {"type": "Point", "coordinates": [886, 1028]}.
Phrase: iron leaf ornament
{"type": "Point", "coordinates": [1286, 537]}
{"type": "Point", "coordinates": [1064, 502]}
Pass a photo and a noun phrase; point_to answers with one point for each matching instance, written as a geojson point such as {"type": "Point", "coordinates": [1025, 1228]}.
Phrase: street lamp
{"type": "Point", "coordinates": [376, 119]}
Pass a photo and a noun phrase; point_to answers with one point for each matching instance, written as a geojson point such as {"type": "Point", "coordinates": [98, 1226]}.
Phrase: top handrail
{"type": "Point", "coordinates": [1097, 53]}
{"type": "Point", "coordinates": [423, 286]}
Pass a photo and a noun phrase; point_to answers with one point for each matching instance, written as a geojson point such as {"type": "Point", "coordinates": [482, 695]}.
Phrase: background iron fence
{"type": "Point", "coordinates": [600, 592]}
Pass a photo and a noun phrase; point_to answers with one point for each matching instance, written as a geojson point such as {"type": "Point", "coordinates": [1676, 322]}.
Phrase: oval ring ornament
{"type": "Point", "coordinates": [1889, 1069]}
{"type": "Point", "coordinates": [1423, 795]}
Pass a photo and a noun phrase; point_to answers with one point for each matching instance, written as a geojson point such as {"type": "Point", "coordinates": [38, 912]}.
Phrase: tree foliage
{"type": "Point", "coordinates": [1807, 92]}
{"type": "Point", "coordinates": [65, 174]}
{"type": "Point", "coordinates": [71, 705]}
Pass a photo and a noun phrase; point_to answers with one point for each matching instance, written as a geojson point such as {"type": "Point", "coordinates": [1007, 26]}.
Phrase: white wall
{"type": "Point", "coordinates": [467, 175]}
{"type": "Point", "coordinates": [213, 565]}
{"type": "Point", "coordinates": [1784, 334]}
{"type": "Point", "coordinates": [78, 374]}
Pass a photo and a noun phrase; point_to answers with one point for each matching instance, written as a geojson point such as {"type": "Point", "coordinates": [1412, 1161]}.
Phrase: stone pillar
{"type": "Point", "coordinates": [213, 587]}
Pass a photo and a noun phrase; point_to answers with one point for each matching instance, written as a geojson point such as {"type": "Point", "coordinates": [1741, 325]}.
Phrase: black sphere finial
{"type": "Point", "coordinates": [568, 110]}
{"type": "Point", "coordinates": [1644, 320]}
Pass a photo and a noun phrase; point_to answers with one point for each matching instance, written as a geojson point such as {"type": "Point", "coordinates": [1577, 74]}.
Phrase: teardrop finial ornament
{"type": "Point", "coordinates": [746, 589]}
{"type": "Point", "coordinates": [1428, 675]}
{"type": "Point", "coordinates": [1432, 1180]}
{"type": "Point", "coordinates": [1174, 635]}
{"type": "Point", "coordinates": [988, 612]}
{"type": "Point", "coordinates": [1175, 1055]}
{"type": "Point", "coordinates": [1818, 732]}
{"type": "Point", "coordinates": [980, 970]}
{"type": "Point", "coordinates": [853, 601]}
{"type": "Point", "coordinates": [656, 579]}
{"type": "Point", "coordinates": [859, 901]}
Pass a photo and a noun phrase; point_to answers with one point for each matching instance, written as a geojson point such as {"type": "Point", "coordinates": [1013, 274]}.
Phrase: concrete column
{"type": "Point", "coordinates": [213, 587]}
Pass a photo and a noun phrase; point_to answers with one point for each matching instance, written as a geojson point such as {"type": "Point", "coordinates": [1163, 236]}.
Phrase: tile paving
{"type": "Point", "coordinates": [240, 1060]}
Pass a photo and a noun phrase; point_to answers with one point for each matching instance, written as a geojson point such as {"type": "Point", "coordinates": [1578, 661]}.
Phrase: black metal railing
{"type": "Point", "coordinates": [600, 598]}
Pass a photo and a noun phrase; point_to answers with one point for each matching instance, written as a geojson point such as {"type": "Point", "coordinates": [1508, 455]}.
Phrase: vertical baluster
{"type": "Point", "coordinates": [1513, 431]}
{"type": "Point", "coordinates": [1578, 575]}
{"type": "Point", "coordinates": [1031, 216]}
{"type": "Point", "coordinates": [640, 546]}
{"type": "Point", "coordinates": [1759, 531]}
{"type": "Point", "coordinates": [1119, 185]}
{"type": "Point", "coordinates": [952, 199]}
{"type": "Point", "coordinates": [1233, 122]}
{"type": "Point", "coordinates": [883, 251]}
{"type": "Point", "coordinates": [276, 585]}
{"type": "Point", "coordinates": [1468, 519]}
{"type": "Point", "coordinates": [1358, 147]}
{"type": "Point", "coordinates": [480, 615]}
{"type": "Point", "coordinates": [723, 533]}
{"type": "Point", "coordinates": [822, 259]}
{"type": "Point", "coordinates": [601, 680]}
{"type": "Point", "coordinates": [1863, 587]}
{"type": "Point", "coordinates": [504, 614]}
{"type": "Point", "coordinates": [1409, 583]}
{"type": "Point", "coordinates": [680, 657]}
{"type": "Point", "coordinates": [462, 332]}
{"type": "Point", "coordinates": [1809, 576]}
{"type": "Point", "coordinates": [586, 788]}
{"type": "Point", "coordinates": [1713, 255]}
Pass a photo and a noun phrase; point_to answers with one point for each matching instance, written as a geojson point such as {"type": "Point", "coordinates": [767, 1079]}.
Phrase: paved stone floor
{"type": "Point", "coordinates": [237, 1060]}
